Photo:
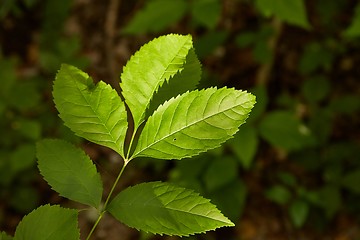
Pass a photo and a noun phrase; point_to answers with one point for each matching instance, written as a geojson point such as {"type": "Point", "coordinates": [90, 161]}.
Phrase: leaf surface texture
{"type": "Point", "coordinates": [69, 171]}
{"type": "Point", "coordinates": [163, 208]}
{"type": "Point", "coordinates": [49, 223]}
{"type": "Point", "coordinates": [193, 123]}
{"type": "Point", "coordinates": [147, 70]}
{"type": "Point", "coordinates": [94, 112]}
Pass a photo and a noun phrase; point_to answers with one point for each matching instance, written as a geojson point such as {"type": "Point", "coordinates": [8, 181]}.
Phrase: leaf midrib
{"type": "Point", "coordinates": [186, 126]}
{"type": "Point", "coordinates": [95, 114]}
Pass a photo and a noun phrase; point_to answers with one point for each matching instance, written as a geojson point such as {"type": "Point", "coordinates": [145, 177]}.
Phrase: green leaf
{"type": "Point", "coordinates": [230, 199]}
{"type": "Point", "coordinates": [298, 211]}
{"type": "Point", "coordinates": [278, 194]}
{"type": "Point", "coordinates": [147, 70]}
{"type": "Point", "coordinates": [284, 130]}
{"type": "Point", "coordinates": [69, 171]}
{"type": "Point", "coordinates": [184, 81]}
{"type": "Point", "coordinates": [94, 112]}
{"type": "Point", "coordinates": [206, 12]}
{"type": "Point", "coordinates": [354, 29]}
{"type": "Point", "coordinates": [22, 158]}
{"type": "Point", "coordinates": [163, 208]}
{"type": "Point", "coordinates": [220, 172]}
{"type": "Point", "coordinates": [209, 42]}
{"type": "Point", "coordinates": [49, 222]}
{"type": "Point", "coordinates": [244, 145]}
{"type": "Point", "coordinates": [156, 16]}
{"type": "Point", "coordinates": [193, 123]}
{"type": "Point", "coordinates": [4, 236]}
{"type": "Point", "coordinates": [351, 181]}
{"type": "Point", "coordinates": [290, 11]}
{"type": "Point", "coordinates": [316, 89]}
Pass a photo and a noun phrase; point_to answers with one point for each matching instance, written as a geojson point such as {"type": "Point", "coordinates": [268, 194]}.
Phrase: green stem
{"type": "Point", "coordinates": [95, 225]}
{"type": "Point", "coordinates": [115, 183]}
{"type": "Point", "coordinates": [107, 200]}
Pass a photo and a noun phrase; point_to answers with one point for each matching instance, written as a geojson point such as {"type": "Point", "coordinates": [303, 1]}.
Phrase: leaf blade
{"type": "Point", "coordinates": [94, 112]}
{"type": "Point", "coordinates": [59, 164]}
{"type": "Point", "coordinates": [49, 222]}
{"type": "Point", "coordinates": [207, 124]}
{"type": "Point", "coordinates": [160, 60]}
{"type": "Point", "coordinates": [163, 208]}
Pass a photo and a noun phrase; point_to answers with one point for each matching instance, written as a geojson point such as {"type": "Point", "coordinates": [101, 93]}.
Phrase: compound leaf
{"type": "Point", "coordinates": [94, 112]}
{"type": "Point", "coordinates": [147, 70]}
{"type": "Point", "coordinates": [49, 223]}
{"type": "Point", "coordinates": [163, 208]}
{"type": "Point", "coordinates": [193, 123]}
{"type": "Point", "coordinates": [69, 171]}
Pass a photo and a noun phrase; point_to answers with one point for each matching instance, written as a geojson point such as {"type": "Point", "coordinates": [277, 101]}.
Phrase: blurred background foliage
{"type": "Point", "coordinates": [291, 172]}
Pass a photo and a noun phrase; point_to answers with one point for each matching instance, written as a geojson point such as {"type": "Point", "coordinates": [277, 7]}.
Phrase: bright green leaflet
{"type": "Point", "coordinates": [163, 208]}
{"type": "Point", "coordinates": [193, 123]}
{"type": "Point", "coordinates": [147, 70]}
{"type": "Point", "coordinates": [49, 223]}
{"type": "Point", "coordinates": [69, 171]}
{"type": "Point", "coordinates": [184, 81]}
{"type": "Point", "coordinates": [94, 112]}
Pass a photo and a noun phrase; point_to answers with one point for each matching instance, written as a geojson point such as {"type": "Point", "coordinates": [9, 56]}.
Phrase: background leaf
{"type": "Point", "coordinates": [193, 123]}
{"type": "Point", "coordinates": [156, 16]}
{"type": "Point", "coordinates": [206, 12]}
{"type": "Point", "coordinates": [282, 129]}
{"type": "Point", "coordinates": [163, 208]}
{"type": "Point", "coordinates": [69, 171]}
{"type": "Point", "coordinates": [298, 212]}
{"type": "Point", "coordinates": [147, 70]}
{"type": "Point", "coordinates": [4, 236]}
{"type": "Point", "coordinates": [244, 144]}
{"type": "Point", "coordinates": [94, 112]}
{"type": "Point", "coordinates": [291, 11]}
{"type": "Point", "coordinates": [49, 222]}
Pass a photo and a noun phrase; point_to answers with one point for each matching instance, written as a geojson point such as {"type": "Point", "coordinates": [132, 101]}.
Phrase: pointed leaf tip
{"type": "Point", "coordinates": [194, 122]}
{"type": "Point", "coordinates": [163, 208]}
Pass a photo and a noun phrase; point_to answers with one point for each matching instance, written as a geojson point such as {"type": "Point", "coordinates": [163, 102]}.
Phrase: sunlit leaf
{"type": "Point", "coordinates": [184, 81]}
{"type": "Point", "coordinates": [94, 112]}
{"type": "Point", "coordinates": [163, 208]}
{"type": "Point", "coordinates": [49, 222]}
{"type": "Point", "coordinates": [69, 171]}
{"type": "Point", "coordinates": [193, 123]}
{"type": "Point", "coordinates": [148, 69]}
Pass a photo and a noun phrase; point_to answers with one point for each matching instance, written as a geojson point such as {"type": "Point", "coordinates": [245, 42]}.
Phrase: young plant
{"type": "Point", "coordinates": [188, 123]}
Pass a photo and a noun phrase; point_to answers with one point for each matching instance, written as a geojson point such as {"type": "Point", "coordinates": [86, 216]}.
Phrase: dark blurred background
{"type": "Point", "coordinates": [291, 172]}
